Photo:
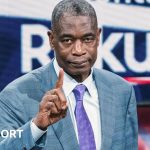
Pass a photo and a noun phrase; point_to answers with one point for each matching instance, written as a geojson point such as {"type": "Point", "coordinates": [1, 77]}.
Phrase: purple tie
{"type": "Point", "coordinates": [85, 132]}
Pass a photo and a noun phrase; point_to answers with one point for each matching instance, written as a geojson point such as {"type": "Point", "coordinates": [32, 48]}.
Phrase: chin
{"type": "Point", "coordinates": [79, 71]}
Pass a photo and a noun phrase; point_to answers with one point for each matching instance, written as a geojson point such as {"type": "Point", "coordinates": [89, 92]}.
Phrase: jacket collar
{"type": "Point", "coordinates": [107, 108]}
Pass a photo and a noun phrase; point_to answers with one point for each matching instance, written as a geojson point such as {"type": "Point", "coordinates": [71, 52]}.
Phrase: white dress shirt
{"type": "Point", "coordinates": [90, 102]}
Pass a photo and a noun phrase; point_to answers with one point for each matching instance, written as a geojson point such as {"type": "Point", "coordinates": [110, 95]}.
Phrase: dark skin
{"type": "Point", "coordinates": [75, 43]}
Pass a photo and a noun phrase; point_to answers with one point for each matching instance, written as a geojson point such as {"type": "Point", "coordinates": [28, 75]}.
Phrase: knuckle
{"type": "Point", "coordinates": [51, 104]}
{"type": "Point", "coordinates": [51, 92]}
{"type": "Point", "coordinates": [55, 97]}
{"type": "Point", "coordinates": [45, 97]}
{"type": "Point", "coordinates": [48, 92]}
{"type": "Point", "coordinates": [40, 105]}
{"type": "Point", "coordinates": [51, 98]}
{"type": "Point", "coordinates": [64, 103]}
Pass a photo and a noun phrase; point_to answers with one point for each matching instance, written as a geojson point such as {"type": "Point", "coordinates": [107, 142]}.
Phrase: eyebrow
{"type": "Point", "coordinates": [89, 34]}
{"type": "Point", "coordinates": [66, 35]}
{"type": "Point", "coordinates": [71, 36]}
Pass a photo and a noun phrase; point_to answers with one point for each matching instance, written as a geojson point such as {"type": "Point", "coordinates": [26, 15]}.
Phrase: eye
{"type": "Point", "coordinates": [88, 39]}
{"type": "Point", "coordinates": [67, 40]}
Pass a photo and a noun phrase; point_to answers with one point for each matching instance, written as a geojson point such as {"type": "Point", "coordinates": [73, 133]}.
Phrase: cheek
{"type": "Point", "coordinates": [62, 55]}
{"type": "Point", "coordinates": [64, 47]}
{"type": "Point", "coordinates": [93, 52]}
{"type": "Point", "coordinates": [62, 50]}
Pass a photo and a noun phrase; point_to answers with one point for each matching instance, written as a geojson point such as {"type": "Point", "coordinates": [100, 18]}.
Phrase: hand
{"type": "Point", "coordinates": [53, 106]}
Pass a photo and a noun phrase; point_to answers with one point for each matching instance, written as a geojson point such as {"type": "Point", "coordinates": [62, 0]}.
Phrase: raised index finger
{"type": "Point", "coordinates": [59, 82]}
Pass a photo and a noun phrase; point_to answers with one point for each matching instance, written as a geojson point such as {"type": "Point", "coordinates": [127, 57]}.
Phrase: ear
{"type": "Point", "coordinates": [98, 35]}
{"type": "Point", "coordinates": [51, 38]}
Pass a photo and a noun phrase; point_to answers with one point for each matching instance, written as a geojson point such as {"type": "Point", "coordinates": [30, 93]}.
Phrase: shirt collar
{"type": "Point", "coordinates": [69, 83]}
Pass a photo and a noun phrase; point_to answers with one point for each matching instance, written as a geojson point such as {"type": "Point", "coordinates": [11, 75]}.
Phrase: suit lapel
{"type": "Point", "coordinates": [63, 129]}
{"type": "Point", "coordinates": [65, 133]}
{"type": "Point", "coordinates": [107, 109]}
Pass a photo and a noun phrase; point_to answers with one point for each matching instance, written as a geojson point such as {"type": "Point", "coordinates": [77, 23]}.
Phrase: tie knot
{"type": "Point", "coordinates": [79, 92]}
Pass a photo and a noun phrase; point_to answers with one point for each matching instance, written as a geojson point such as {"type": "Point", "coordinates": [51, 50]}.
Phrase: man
{"type": "Point", "coordinates": [68, 104]}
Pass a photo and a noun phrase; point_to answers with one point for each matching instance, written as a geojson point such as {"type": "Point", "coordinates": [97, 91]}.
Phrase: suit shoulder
{"type": "Point", "coordinates": [30, 80]}
{"type": "Point", "coordinates": [111, 78]}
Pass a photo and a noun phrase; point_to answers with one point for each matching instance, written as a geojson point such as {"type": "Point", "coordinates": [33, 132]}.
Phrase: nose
{"type": "Point", "coordinates": [78, 48]}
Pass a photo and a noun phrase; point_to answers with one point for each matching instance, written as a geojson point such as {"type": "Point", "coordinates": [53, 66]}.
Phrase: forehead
{"type": "Point", "coordinates": [69, 23]}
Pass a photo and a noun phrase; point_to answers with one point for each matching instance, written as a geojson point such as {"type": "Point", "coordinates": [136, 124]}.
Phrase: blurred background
{"type": "Point", "coordinates": [124, 46]}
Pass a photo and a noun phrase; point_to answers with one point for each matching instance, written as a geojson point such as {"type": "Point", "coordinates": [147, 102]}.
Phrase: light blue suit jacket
{"type": "Point", "coordinates": [19, 103]}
